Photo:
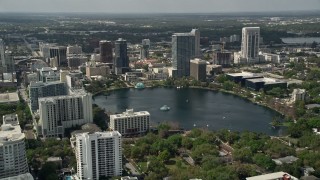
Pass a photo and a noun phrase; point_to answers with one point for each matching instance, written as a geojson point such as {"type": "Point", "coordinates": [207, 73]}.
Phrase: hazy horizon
{"type": "Point", "coordinates": [156, 6]}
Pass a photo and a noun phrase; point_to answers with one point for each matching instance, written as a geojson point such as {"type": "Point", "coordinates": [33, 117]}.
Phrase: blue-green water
{"type": "Point", "coordinates": [193, 108]}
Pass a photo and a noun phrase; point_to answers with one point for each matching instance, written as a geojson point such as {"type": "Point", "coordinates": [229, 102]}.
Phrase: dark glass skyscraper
{"type": "Point", "coordinates": [106, 55]}
{"type": "Point", "coordinates": [183, 50]}
{"type": "Point", "coordinates": [121, 59]}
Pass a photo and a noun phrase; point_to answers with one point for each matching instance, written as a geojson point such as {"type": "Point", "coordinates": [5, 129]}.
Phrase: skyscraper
{"type": "Point", "coordinates": [1, 55]}
{"type": "Point", "coordinates": [106, 54]}
{"type": "Point", "coordinates": [61, 112]}
{"type": "Point", "coordinates": [59, 52]}
{"type": "Point", "coordinates": [183, 50]}
{"type": "Point", "coordinates": [121, 64]}
{"type": "Point", "coordinates": [98, 154]}
{"type": "Point", "coordinates": [196, 34]}
{"type": "Point", "coordinates": [144, 51]}
{"type": "Point", "coordinates": [250, 44]}
{"type": "Point", "coordinates": [13, 159]}
{"type": "Point", "coordinates": [8, 63]}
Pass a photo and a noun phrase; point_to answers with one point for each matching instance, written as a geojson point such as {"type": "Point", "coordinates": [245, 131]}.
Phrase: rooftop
{"type": "Point", "coordinates": [26, 176]}
{"type": "Point", "coordinates": [9, 97]}
{"type": "Point", "coordinates": [267, 80]}
{"type": "Point", "coordinates": [130, 113]}
{"type": "Point", "coordinates": [272, 176]}
{"type": "Point", "coordinates": [285, 160]}
{"type": "Point", "coordinates": [244, 74]}
{"type": "Point", "coordinates": [10, 133]}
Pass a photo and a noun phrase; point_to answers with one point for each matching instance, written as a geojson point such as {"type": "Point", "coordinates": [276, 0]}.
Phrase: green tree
{"type": "Point", "coordinates": [243, 154]}
{"type": "Point", "coordinates": [164, 156]}
{"type": "Point", "coordinates": [264, 161]}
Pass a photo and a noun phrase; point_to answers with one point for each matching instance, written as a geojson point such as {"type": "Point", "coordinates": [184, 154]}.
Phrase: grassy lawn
{"type": "Point", "coordinates": [142, 166]}
{"type": "Point", "coordinates": [173, 163]}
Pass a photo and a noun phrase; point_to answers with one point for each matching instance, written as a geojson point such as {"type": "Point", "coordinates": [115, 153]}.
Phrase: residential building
{"type": "Point", "coordinates": [48, 74]}
{"type": "Point", "coordinates": [183, 50]}
{"type": "Point", "coordinates": [26, 176]}
{"type": "Point", "coordinates": [235, 38]}
{"type": "Point", "coordinates": [250, 44]}
{"type": "Point", "coordinates": [130, 122]}
{"type": "Point", "coordinates": [273, 176]}
{"type": "Point", "coordinates": [98, 154]}
{"type": "Point", "coordinates": [61, 112]}
{"type": "Point", "coordinates": [198, 69]}
{"type": "Point", "coordinates": [40, 89]}
{"type": "Point", "coordinates": [13, 160]}
{"type": "Point", "coordinates": [106, 53]}
{"type": "Point", "coordinates": [121, 64]}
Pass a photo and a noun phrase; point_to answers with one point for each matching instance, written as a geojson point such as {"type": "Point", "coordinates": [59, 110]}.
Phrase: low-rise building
{"type": "Point", "coordinates": [9, 98]}
{"type": "Point", "coordinates": [298, 95]}
{"type": "Point", "coordinates": [242, 77]}
{"type": "Point", "coordinates": [130, 122]}
{"type": "Point", "coordinates": [273, 176]}
{"type": "Point", "coordinates": [265, 83]}
{"type": "Point", "coordinates": [198, 69]}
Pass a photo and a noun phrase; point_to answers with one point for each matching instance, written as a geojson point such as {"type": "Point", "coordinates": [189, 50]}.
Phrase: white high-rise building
{"type": "Point", "coordinates": [130, 122]}
{"type": "Point", "coordinates": [13, 160]}
{"type": "Point", "coordinates": [196, 34]}
{"type": "Point", "coordinates": [98, 155]}
{"type": "Point", "coordinates": [60, 112]}
{"type": "Point", "coordinates": [250, 44]}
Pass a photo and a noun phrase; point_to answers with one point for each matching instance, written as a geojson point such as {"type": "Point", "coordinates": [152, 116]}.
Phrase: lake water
{"type": "Point", "coordinates": [301, 40]}
{"type": "Point", "coordinates": [193, 108]}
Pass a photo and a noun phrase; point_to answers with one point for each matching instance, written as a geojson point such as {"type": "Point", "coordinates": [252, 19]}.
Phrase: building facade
{"type": "Point", "coordinates": [144, 49]}
{"type": "Point", "coordinates": [130, 122]}
{"type": "Point", "coordinates": [250, 44]}
{"type": "Point", "coordinates": [106, 53]}
{"type": "Point", "coordinates": [2, 50]}
{"type": "Point", "coordinates": [121, 64]}
{"type": "Point", "coordinates": [198, 69]}
{"type": "Point", "coordinates": [13, 160]}
{"type": "Point", "coordinates": [60, 53]}
{"type": "Point", "coordinates": [74, 50]}
{"type": "Point", "coordinates": [40, 89]}
{"type": "Point", "coordinates": [61, 112]}
{"type": "Point", "coordinates": [197, 50]}
{"type": "Point", "coordinates": [98, 155]}
{"type": "Point", "coordinates": [183, 50]}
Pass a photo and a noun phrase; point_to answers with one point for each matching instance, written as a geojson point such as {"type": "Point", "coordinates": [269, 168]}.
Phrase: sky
{"type": "Point", "coordinates": [158, 6]}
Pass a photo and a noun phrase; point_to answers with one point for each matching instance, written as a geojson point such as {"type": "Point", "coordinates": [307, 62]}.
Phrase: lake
{"type": "Point", "coordinates": [191, 108]}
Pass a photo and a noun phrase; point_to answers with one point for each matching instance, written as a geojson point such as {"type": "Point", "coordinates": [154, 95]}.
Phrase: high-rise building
{"type": "Point", "coordinates": [8, 63]}
{"type": "Point", "coordinates": [13, 160]}
{"type": "Point", "coordinates": [98, 155]}
{"type": "Point", "coordinates": [74, 50]}
{"type": "Point", "coordinates": [144, 49]}
{"type": "Point", "coordinates": [121, 64]}
{"type": "Point", "coordinates": [61, 112]}
{"type": "Point", "coordinates": [130, 122]}
{"type": "Point", "coordinates": [183, 50]}
{"type": "Point", "coordinates": [250, 44]}
{"type": "Point", "coordinates": [47, 74]}
{"type": "Point", "coordinates": [222, 58]}
{"type": "Point", "coordinates": [196, 33]}
{"type": "Point", "coordinates": [106, 54]}
{"type": "Point", "coordinates": [2, 50]}
{"type": "Point", "coordinates": [59, 52]}
{"type": "Point", "coordinates": [40, 89]}
{"type": "Point", "coordinates": [198, 69]}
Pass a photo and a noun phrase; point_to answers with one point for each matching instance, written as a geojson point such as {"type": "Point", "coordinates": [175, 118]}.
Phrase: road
{"type": "Point", "coordinates": [132, 169]}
